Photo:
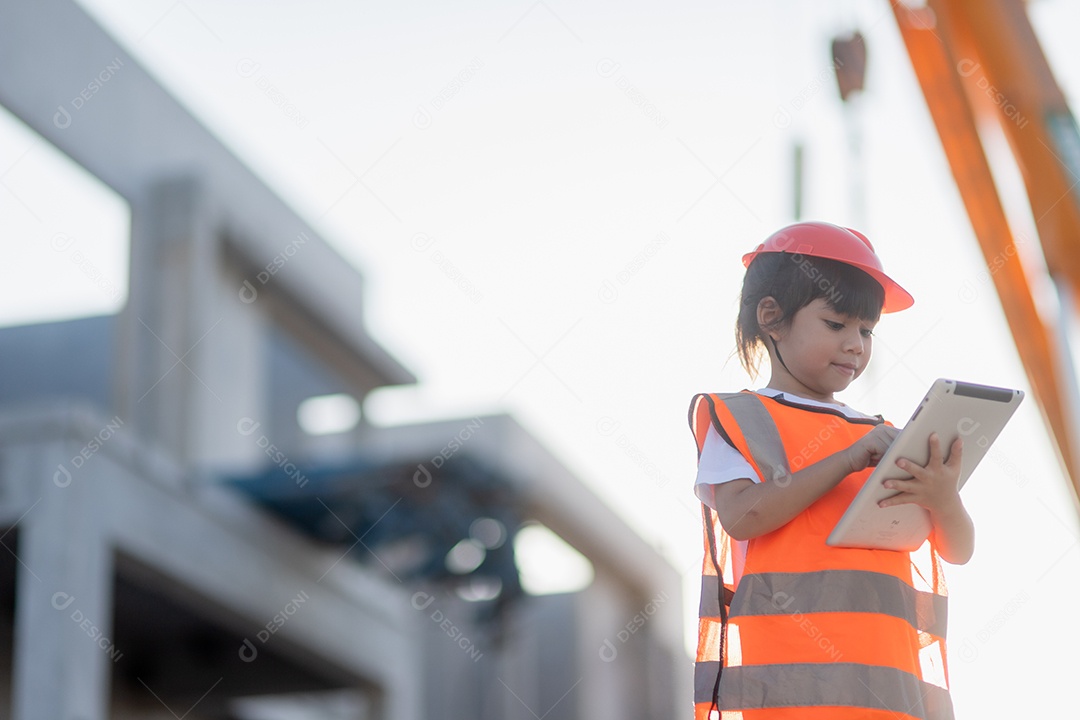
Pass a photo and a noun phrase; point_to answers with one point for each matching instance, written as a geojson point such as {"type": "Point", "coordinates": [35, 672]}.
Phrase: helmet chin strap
{"type": "Point", "coordinates": [776, 349]}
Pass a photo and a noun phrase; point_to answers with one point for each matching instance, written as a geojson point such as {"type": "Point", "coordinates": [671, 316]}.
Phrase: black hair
{"type": "Point", "coordinates": [795, 281]}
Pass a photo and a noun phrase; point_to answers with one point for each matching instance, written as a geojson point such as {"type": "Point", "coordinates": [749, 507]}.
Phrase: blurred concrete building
{"type": "Point", "coordinates": [176, 544]}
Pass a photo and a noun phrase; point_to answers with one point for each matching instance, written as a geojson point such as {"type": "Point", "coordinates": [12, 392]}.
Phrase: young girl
{"type": "Point", "coordinates": [790, 627]}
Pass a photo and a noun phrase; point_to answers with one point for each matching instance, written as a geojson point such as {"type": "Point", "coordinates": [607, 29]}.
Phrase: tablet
{"type": "Point", "coordinates": [952, 409]}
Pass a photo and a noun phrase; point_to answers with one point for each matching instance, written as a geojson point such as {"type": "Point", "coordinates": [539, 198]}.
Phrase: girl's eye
{"type": "Point", "coordinates": [867, 332]}
{"type": "Point", "coordinates": [834, 325]}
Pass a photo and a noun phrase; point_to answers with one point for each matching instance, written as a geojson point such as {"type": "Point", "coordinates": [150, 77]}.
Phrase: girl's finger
{"type": "Point", "coordinates": [901, 485]}
{"type": "Point", "coordinates": [935, 449]}
{"type": "Point", "coordinates": [911, 468]}
{"type": "Point", "coordinates": [898, 500]}
{"type": "Point", "coordinates": [956, 453]}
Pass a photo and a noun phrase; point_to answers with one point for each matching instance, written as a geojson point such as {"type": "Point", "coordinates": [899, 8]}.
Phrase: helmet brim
{"type": "Point", "coordinates": [896, 297]}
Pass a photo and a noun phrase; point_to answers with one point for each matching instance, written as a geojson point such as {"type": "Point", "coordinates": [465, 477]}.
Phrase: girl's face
{"type": "Point", "coordinates": [823, 350]}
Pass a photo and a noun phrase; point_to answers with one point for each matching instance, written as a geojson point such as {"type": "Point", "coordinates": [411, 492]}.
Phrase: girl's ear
{"type": "Point", "coordinates": [769, 315]}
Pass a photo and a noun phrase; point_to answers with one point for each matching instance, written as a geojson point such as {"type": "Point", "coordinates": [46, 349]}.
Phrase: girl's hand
{"type": "Point", "coordinates": [870, 447]}
{"type": "Point", "coordinates": [936, 485]}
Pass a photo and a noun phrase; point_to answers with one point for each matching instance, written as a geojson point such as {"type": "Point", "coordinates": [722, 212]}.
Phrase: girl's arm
{"type": "Point", "coordinates": [748, 509]}
{"type": "Point", "coordinates": [935, 486]}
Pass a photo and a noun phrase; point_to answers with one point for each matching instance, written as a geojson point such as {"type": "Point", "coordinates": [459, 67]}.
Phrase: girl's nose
{"type": "Point", "coordinates": [855, 343]}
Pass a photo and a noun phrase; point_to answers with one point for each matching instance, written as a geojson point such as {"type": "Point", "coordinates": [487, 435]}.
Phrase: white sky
{"type": "Point", "coordinates": [559, 197]}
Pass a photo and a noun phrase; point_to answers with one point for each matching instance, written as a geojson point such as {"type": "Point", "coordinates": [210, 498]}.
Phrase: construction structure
{"type": "Point", "coordinates": [176, 542]}
{"type": "Point", "coordinates": [983, 73]}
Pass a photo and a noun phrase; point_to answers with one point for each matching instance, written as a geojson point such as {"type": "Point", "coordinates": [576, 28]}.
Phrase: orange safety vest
{"type": "Point", "coordinates": [797, 629]}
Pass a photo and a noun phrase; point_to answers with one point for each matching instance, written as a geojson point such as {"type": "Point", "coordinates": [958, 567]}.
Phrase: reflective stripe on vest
{"type": "Point", "coordinates": [838, 591]}
{"type": "Point", "coordinates": [875, 590]}
{"type": "Point", "coordinates": [773, 594]}
{"type": "Point", "coordinates": [824, 684]}
{"type": "Point", "coordinates": [762, 437]}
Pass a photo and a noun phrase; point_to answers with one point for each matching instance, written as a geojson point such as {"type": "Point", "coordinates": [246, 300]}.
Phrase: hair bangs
{"type": "Point", "coordinates": [848, 290]}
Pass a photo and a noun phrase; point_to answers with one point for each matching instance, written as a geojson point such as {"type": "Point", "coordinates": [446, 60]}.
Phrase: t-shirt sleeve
{"type": "Point", "coordinates": [719, 463]}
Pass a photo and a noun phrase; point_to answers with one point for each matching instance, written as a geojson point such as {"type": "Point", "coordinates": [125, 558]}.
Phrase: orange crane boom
{"type": "Point", "coordinates": [978, 60]}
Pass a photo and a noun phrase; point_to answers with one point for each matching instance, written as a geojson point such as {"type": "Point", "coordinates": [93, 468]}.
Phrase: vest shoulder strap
{"type": "Point", "coordinates": [753, 427]}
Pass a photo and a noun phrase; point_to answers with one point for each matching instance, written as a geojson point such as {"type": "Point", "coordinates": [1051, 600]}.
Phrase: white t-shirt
{"type": "Point", "coordinates": [721, 463]}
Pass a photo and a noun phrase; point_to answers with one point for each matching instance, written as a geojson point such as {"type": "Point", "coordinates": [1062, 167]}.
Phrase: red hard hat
{"type": "Point", "coordinates": [825, 240]}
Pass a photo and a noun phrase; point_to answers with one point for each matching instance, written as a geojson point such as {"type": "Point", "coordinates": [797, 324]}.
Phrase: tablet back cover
{"type": "Point", "coordinates": [952, 409]}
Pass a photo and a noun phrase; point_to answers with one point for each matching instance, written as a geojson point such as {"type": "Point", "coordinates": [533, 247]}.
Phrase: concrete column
{"type": "Point", "coordinates": [402, 693]}
{"type": "Point", "coordinates": [190, 356]}
{"type": "Point", "coordinates": [171, 243]}
{"type": "Point", "coordinates": [63, 610]}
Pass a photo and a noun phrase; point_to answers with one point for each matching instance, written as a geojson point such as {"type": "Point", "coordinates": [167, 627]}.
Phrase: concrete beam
{"type": "Point", "coordinates": [554, 495]}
